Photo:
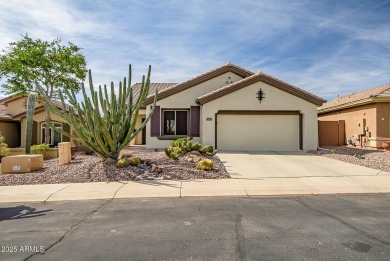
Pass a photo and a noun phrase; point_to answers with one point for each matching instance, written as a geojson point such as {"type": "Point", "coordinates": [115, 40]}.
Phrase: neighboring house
{"type": "Point", "coordinates": [366, 116]}
{"type": "Point", "coordinates": [13, 123]}
{"type": "Point", "coordinates": [232, 108]}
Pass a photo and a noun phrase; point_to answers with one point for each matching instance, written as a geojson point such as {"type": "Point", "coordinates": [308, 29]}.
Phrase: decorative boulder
{"type": "Point", "coordinates": [125, 154]}
{"type": "Point", "coordinates": [156, 169]}
{"type": "Point", "coordinates": [205, 164]}
{"type": "Point", "coordinates": [195, 153]}
{"type": "Point", "coordinates": [192, 158]}
{"type": "Point", "coordinates": [386, 145]}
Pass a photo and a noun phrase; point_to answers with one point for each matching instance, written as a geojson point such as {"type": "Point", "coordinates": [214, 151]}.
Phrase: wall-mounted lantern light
{"type": "Point", "coordinates": [260, 95]}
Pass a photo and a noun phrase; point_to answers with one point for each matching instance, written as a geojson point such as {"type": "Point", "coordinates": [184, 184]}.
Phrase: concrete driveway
{"type": "Point", "coordinates": [293, 173]}
{"type": "Point", "coordinates": [259, 165]}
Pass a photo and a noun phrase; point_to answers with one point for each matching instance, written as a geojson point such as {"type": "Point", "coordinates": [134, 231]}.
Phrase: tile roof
{"type": "Point", "coordinates": [380, 91]}
{"type": "Point", "coordinates": [260, 76]}
{"type": "Point", "coordinates": [229, 67]}
{"type": "Point", "coordinates": [160, 86]}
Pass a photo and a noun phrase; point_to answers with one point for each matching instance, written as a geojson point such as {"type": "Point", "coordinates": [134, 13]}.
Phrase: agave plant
{"type": "Point", "coordinates": [104, 123]}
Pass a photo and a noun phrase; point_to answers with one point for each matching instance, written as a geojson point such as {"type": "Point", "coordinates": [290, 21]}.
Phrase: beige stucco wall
{"type": "Point", "coordinates": [138, 138]}
{"type": "Point", "coordinates": [275, 99]}
{"type": "Point", "coordinates": [383, 120]}
{"type": "Point", "coordinates": [185, 99]}
{"type": "Point", "coordinates": [17, 105]}
{"type": "Point", "coordinates": [376, 116]}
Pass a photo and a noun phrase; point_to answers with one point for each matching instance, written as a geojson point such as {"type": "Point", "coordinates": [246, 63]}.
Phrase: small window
{"type": "Point", "coordinates": [55, 136]}
{"type": "Point", "coordinates": [175, 122]}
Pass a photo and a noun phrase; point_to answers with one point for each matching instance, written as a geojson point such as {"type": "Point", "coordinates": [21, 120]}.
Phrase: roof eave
{"type": "Point", "coordinates": [198, 80]}
{"type": "Point", "coordinates": [268, 80]}
{"type": "Point", "coordinates": [349, 105]}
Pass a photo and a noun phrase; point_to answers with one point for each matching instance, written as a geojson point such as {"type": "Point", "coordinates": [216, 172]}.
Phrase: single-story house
{"type": "Point", "coordinates": [232, 108]}
{"type": "Point", "coordinates": [228, 107]}
{"type": "Point", "coordinates": [364, 116]}
{"type": "Point", "coordinates": [13, 120]}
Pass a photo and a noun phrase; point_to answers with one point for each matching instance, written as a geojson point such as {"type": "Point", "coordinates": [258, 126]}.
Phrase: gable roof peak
{"type": "Point", "coordinates": [228, 67]}
{"type": "Point", "coordinates": [263, 77]}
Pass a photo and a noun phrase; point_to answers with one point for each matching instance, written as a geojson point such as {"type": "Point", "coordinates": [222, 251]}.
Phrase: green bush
{"type": "Point", "coordinates": [41, 149]}
{"type": "Point", "coordinates": [4, 150]}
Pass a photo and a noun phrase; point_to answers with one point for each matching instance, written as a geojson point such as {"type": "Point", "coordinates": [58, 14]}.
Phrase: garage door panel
{"type": "Point", "coordinates": [258, 132]}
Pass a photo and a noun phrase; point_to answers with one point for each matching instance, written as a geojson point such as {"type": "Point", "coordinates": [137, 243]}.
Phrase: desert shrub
{"type": "Point", "coordinates": [41, 149]}
{"type": "Point", "coordinates": [181, 146]}
{"type": "Point", "coordinates": [4, 150]}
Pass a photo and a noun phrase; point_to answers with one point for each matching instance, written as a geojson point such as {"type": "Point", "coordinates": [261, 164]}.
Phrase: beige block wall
{"type": "Point", "coordinates": [185, 99]}
{"type": "Point", "coordinates": [275, 99]}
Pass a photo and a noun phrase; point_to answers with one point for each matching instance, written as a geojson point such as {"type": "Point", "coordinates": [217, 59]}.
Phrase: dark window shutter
{"type": "Point", "coordinates": [195, 121]}
{"type": "Point", "coordinates": [155, 123]}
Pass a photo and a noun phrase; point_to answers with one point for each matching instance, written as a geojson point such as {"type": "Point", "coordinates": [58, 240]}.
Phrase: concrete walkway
{"type": "Point", "coordinates": [253, 174]}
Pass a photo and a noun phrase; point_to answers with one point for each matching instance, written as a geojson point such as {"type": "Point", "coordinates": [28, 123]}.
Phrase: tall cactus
{"type": "Point", "coordinates": [104, 123]}
{"type": "Point", "coordinates": [30, 121]}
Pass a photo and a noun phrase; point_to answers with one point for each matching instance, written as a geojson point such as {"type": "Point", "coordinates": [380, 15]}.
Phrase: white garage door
{"type": "Point", "coordinates": [258, 132]}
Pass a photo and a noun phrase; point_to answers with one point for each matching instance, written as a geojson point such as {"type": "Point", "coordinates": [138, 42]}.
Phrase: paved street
{"type": "Point", "coordinates": [332, 227]}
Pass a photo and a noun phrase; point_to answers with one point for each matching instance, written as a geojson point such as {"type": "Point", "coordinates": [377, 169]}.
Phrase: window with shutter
{"type": "Point", "coordinates": [155, 123]}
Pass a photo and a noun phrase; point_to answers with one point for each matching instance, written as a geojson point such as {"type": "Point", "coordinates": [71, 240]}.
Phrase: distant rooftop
{"type": "Point", "coordinates": [380, 91]}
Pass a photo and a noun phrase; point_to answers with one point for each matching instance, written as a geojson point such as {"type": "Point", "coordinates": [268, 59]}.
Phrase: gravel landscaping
{"type": "Point", "coordinates": [367, 157]}
{"type": "Point", "coordinates": [89, 168]}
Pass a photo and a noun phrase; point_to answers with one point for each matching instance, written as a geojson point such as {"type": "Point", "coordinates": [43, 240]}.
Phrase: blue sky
{"type": "Point", "coordinates": [325, 47]}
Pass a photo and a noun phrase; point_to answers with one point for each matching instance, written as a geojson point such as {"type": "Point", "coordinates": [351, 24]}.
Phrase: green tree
{"type": "Point", "coordinates": [52, 65]}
